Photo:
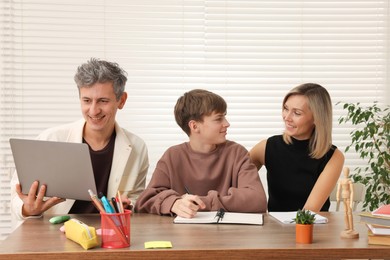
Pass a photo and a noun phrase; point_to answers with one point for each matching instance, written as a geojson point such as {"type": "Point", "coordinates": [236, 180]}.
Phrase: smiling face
{"type": "Point", "coordinates": [298, 118]}
{"type": "Point", "coordinates": [206, 134]}
{"type": "Point", "coordinates": [99, 107]}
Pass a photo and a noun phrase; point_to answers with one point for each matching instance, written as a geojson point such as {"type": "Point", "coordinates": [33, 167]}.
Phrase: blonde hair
{"type": "Point", "coordinates": [321, 106]}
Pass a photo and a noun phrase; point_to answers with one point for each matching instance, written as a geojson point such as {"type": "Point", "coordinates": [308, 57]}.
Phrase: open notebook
{"type": "Point", "coordinates": [288, 217]}
{"type": "Point", "coordinates": [211, 217]}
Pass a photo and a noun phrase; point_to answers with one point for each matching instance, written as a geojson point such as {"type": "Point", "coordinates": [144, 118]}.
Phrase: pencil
{"type": "Point", "coordinates": [122, 210]}
{"type": "Point", "coordinates": [96, 201]}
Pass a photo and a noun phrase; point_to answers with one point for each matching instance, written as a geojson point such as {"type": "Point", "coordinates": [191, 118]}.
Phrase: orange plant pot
{"type": "Point", "coordinates": [304, 233]}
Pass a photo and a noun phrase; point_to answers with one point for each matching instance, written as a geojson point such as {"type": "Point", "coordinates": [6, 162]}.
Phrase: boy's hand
{"type": "Point", "coordinates": [187, 206]}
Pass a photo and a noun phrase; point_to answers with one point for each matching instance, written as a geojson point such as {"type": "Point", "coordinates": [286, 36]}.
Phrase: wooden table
{"type": "Point", "coordinates": [37, 238]}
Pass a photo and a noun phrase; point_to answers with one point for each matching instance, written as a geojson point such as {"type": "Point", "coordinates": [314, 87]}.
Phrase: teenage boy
{"type": "Point", "coordinates": [208, 172]}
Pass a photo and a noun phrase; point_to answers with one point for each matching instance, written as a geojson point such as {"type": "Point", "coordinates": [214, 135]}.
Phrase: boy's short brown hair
{"type": "Point", "coordinates": [196, 104]}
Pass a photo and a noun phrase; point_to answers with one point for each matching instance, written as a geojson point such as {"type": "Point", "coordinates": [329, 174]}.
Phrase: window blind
{"type": "Point", "coordinates": [250, 52]}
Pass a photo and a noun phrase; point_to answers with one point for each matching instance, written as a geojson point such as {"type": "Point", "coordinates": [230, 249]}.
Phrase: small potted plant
{"type": "Point", "coordinates": [304, 222]}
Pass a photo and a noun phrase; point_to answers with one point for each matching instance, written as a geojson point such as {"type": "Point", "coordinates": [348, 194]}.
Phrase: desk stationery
{"type": "Point", "coordinates": [37, 238]}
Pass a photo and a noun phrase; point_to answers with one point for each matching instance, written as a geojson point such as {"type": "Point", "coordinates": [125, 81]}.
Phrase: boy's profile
{"type": "Point", "coordinates": [218, 172]}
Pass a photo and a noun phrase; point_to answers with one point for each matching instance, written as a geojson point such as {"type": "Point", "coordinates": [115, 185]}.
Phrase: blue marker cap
{"type": "Point", "coordinates": [107, 206]}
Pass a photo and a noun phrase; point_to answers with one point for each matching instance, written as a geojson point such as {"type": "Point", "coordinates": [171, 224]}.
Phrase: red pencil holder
{"type": "Point", "coordinates": [115, 229]}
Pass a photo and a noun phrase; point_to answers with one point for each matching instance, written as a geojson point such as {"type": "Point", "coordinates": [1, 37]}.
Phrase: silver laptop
{"type": "Point", "coordinates": [65, 168]}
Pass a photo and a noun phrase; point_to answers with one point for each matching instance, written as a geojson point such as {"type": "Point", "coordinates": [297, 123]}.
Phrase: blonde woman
{"type": "Point", "coordinates": [302, 164]}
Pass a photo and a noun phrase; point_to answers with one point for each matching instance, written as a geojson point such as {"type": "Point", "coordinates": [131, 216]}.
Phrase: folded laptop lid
{"type": "Point", "coordinates": [64, 167]}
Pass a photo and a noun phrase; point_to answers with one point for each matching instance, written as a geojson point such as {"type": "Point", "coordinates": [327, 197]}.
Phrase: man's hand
{"type": "Point", "coordinates": [126, 202]}
{"type": "Point", "coordinates": [187, 206]}
{"type": "Point", "coordinates": [34, 205]}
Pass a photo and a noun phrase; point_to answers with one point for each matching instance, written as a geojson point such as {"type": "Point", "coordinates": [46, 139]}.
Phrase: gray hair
{"type": "Point", "coordinates": [100, 71]}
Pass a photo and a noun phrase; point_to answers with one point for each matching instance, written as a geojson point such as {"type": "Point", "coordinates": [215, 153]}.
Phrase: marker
{"type": "Point", "coordinates": [117, 220]}
{"type": "Point", "coordinates": [96, 201]}
{"type": "Point", "coordinates": [107, 205]}
{"type": "Point", "coordinates": [59, 219]}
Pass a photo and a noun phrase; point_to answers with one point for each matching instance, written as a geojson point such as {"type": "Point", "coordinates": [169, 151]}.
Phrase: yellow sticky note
{"type": "Point", "coordinates": [158, 244]}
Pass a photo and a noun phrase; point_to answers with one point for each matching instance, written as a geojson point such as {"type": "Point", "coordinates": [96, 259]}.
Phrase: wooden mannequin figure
{"type": "Point", "coordinates": [345, 186]}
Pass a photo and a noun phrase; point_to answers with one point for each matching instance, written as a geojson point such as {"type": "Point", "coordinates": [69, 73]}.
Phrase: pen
{"type": "Point", "coordinates": [96, 201]}
{"type": "Point", "coordinates": [187, 190]}
{"type": "Point", "coordinates": [115, 205]}
{"type": "Point", "coordinates": [220, 214]}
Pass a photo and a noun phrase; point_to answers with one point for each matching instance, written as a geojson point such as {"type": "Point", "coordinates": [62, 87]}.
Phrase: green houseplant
{"type": "Point", "coordinates": [304, 223]}
{"type": "Point", "coordinates": [371, 140]}
{"type": "Point", "coordinates": [305, 217]}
